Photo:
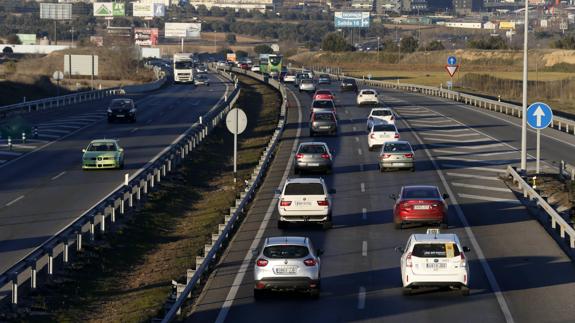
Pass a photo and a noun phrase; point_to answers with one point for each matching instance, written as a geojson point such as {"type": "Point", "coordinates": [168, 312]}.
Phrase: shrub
{"type": "Point", "coordinates": [263, 49]}
{"type": "Point", "coordinates": [334, 42]}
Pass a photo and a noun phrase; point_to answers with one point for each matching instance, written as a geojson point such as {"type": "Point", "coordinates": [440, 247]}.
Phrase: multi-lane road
{"type": "Point", "coordinates": [45, 189]}
{"type": "Point", "coordinates": [518, 272]}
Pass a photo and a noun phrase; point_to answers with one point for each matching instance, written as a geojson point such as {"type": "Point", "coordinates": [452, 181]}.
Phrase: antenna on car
{"type": "Point", "coordinates": [433, 231]}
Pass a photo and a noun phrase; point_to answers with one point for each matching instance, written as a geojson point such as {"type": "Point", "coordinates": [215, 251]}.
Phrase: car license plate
{"type": "Point", "coordinates": [300, 203]}
{"type": "Point", "coordinates": [313, 164]}
{"type": "Point", "coordinates": [285, 270]}
{"type": "Point", "coordinates": [119, 115]}
{"type": "Point", "coordinates": [421, 207]}
{"type": "Point", "coordinates": [436, 266]}
{"type": "Point", "coordinates": [399, 164]}
{"type": "Point", "coordinates": [324, 127]}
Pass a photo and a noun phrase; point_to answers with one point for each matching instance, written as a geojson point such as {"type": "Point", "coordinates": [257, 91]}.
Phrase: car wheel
{"type": "Point", "coordinates": [314, 293]}
{"type": "Point", "coordinates": [327, 224]}
{"type": "Point", "coordinates": [398, 225]}
{"type": "Point", "coordinates": [121, 165]}
{"type": "Point", "coordinates": [259, 294]}
{"type": "Point", "coordinates": [282, 225]}
{"type": "Point", "coordinates": [329, 170]}
{"type": "Point", "coordinates": [406, 291]}
{"type": "Point", "coordinates": [464, 290]}
{"type": "Point", "coordinates": [311, 133]}
{"type": "Point", "coordinates": [381, 169]}
{"type": "Point", "coordinates": [370, 148]}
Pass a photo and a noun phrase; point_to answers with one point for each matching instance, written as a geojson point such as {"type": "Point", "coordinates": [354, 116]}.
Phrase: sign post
{"type": "Point", "coordinates": [58, 76]}
{"type": "Point", "coordinates": [539, 116]}
{"type": "Point", "coordinates": [451, 69]}
{"type": "Point", "coordinates": [236, 121]}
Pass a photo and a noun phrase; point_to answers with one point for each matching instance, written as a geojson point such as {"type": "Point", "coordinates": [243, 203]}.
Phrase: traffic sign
{"type": "Point", "coordinates": [451, 60]}
{"type": "Point", "coordinates": [58, 75]}
{"type": "Point", "coordinates": [451, 69]}
{"type": "Point", "coordinates": [236, 121]}
{"type": "Point", "coordinates": [539, 115]}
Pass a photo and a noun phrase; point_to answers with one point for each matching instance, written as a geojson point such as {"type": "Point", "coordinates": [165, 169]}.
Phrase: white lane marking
{"type": "Point", "coordinates": [356, 139]}
{"type": "Point", "coordinates": [451, 130]}
{"type": "Point", "coordinates": [482, 187]}
{"type": "Point", "coordinates": [354, 128]}
{"type": "Point", "coordinates": [362, 187]}
{"type": "Point", "coordinates": [2, 161]}
{"type": "Point", "coordinates": [455, 140]}
{"type": "Point", "coordinates": [488, 146]}
{"type": "Point", "coordinates": [489, 178]}
{"type": "Point", "coordinates": [259, 234]}
{"type": "Point", "coordinates": [15, 200]}
{"type": "Point", "coordinates": [346, 111]}
{"type": "Point", "coordinates": [434, 133]}
{"type": "Point", "coordinates": [479, 161]}
{"type": "Point", "coordinates": [459, 153]}
{"type": "Point", "coordinates": [69, 127]}
{"type": "Point", "coordinates": [60, 124]}
{"type": "Point", "coordinates": [364, 213]}
{"type": "Point", "coordinates": [438, 121]}
{"type": "Point", "coordinates": [425, 125]}
{"type": "Point", "coordinates": [24, 146]}
{"type": "Point", "coordinates": [364, 248]}
{"type": "Point", "coordinates": [59, 175]}
{"type": "Point", "coordinates": [10, 153]}
{"type": "Point", "coordinates": [361, 167]}
{"type": "Point", "coordinates": [484, 169]}
{"type": "Point", "coordinates": [361, 298]}
{"type": "Point", "coordinates": [359, 152]}
{"type": "Point", "coordinates": [134, 130]}
{"type": "Point", "coordinates": [480, 255]}
{"type": "Point", "coordinates": [488, 198]}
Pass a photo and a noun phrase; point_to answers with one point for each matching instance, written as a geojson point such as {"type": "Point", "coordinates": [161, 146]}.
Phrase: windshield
{"type": "Point", "coordinates": [102, 146]}
{"type": "Point", "coordinates": [312, 149]}
{"type": "Point", "coordinates": [392, 146]}
{"type": "Point", "coordinates": [380, 113]}
{"type": "Point", "coordinates": [120, 104]}
{"type": "Point", "coordinates": [323, 117]}
{"type": "Point", "coordinates": [304, 189]}
{"type": "Point", "coordinates": [324, 76]}
{"type": "Point", "coordinates": [420, 193]}
{"type": "Point", "coordinates": [184, 65]}
{"type": "Point", "coordinates": [349, 81]}
{"type": "Point", "coordinates": [286, 251]}
{"type": "Point", "coordinates": [369, 92]}
{"type": "Point", "coordinates": [307, 81]}
{"type": "Point", "coordinates": [323, 92]}
{"type": "Point", "coordinates": [323, 104]}
{"type": "Point", "coordinates": [384, 127]}
{"type": "Point", "coordinates": [435, 250]}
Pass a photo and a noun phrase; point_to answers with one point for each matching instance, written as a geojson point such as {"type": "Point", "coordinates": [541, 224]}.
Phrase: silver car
{"type": "Point", "coordinates": [313, 156]}
{"type": "Point", "coordinates": [323, 122]}
{"type": "Point", "coordinates": [396, 154]}
{"type": "Point", "coordinates": [307, 85]}
{"type": "Point", "coordinates": [287, 264]}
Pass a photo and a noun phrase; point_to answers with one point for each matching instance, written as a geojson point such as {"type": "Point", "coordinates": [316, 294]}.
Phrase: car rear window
{"type": "Point", "coordinates": [304, 189]}
{"type": "Point", "coordinates": [312, 149]}
{"type": "Point", "coordinates": [380, 113]}
{"type": "Point", "coordinates": [323, 117]}
{"type": "Point", "coordinates": [118, 103]}
{"type": "Point", "coordinates": [384, 127]}
{"type": "Point", "coordinates": [324, 76]}
{"type": "Point", "coordinates": [306, 81]}
{"type": "Point", "coordinates": [392, 146]}
{"type": "Point", "coordinates": [349, 81]}
{"type": "Point", "coordinates": [322, 104]}
{"type": "Point", "coordinates": [286, 252]}
{"type": "Point", "coordinates": [323, 92]}
{"type": "Point", "coordinates": [420, 193]}
{"type": "Point", "coordinates": [368, 92]}
{"type": "Point", "coordinates": [435, 250]}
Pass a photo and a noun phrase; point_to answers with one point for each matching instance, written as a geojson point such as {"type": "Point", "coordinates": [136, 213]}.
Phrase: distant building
{"type": "Point", "coordinates": [260, 5]}
{"type": "Point", "coordinates": [365, 5]}
{"type": "Point", "coordinates": [490, 25]}
{"type": "Point", "coordinates": [382, 6]}
{"type": "Point", "coordinates": [466, 7]}
{"type": "Point", "coordinates": [419, 6]}
{"type": "Point", "coordinates": [305, 3]}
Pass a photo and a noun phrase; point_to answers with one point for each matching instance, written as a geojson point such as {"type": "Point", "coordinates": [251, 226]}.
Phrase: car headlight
{"type": "Point", "coordinates": [132, 110]}
{"type": "Point", "coordinates": [109, 110]}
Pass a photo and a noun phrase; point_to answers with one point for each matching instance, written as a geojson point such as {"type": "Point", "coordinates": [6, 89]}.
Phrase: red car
{"type": "Point", "coordinates": [420, 204]}
{"type": "Point", "coordinates": [244, 66]}
{"type": "Point", "coordinates": [323, 95]}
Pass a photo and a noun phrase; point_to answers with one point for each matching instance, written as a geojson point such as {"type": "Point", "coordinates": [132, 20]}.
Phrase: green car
{"type": "Point", "coordinates": [103, 153]}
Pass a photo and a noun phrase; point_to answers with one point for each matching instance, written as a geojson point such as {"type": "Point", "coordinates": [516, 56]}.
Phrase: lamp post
{"type": "Point", "coordinates": [378, 48]}
{"type": "Point", "coordinates": [399, 51]}
{"type": "Point", "coordinates": [524, 107]}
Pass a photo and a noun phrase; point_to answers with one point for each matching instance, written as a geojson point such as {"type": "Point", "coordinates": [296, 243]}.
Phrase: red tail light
{"type": "Point", "coordinates": [325, 156]}
{"type": "Point", "coordinates": [408, 262]}
{"type": "Point", "coordinates": [396, 135]}
{"type": "Point", "coordinates": [261, 263]}
{"type": "Point", "coordinates": [385, 156]}
{"type": "Point", "coordinates": [462, 260]}
{"type": "Point", "coordinates": [323, 203]}
{"type": "Point", "coordinates": [404, 206]}
{"type": "Point", "coordinates": [285, 203]}
{"type": "Point", "coordinates": [409, 155]}
{"type": "Point", "coordinates": [372, 136]}
{"type": "Point", "coordinates": [310, 262]}
{"type": "Point", "coordinates": [299, 156]}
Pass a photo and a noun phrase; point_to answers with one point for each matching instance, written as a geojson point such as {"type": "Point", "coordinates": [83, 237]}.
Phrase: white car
{"type": "Point", "coordinates": [381, 132]}
{"type": "Point", "coordinates": [380, 114]}
{"type": "Point", "coordinates": [289, 78]}
{"type": "Point", "coordinates": [367, 96]}
{"type": "Point", "coordinates": [255, 68]}
{"type": "Point", "coordinates": [306, 85]}
{"type": "Point", "coordinates": [309, 73]}
{"type": "Point", "coordinates": [434, 259]}
{"type": "Point", "coordinates": [305, 200]}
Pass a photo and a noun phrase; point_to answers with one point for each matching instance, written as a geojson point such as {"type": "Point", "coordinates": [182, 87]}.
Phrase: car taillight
{"type": "Point", "coordinates": [385, 156]}
{"type": "Point", "coordinates": [310, 262]}
{"type": "Point", "coordinates": [396, 135]}
{"type": "Point", "coordinates": [262, 262]}
{"type": "Point", "coordinates": [285, 203]}
{"type": "Point", "coordinates": [462, 262]}
{"type": "Point", "coordinates": [325, 156]}
{"type": "Point", "coordinates": [408, 262]}
{"type": "Point", "coordinates": [299, 156]}
{"type": "Point", "coordinates": [408, 155]}
{"type": "Point", "coordinates": [323, 203]}
{"type": "Point", "coordinates": [405, 206]}
{"type": "Point", "coordinates": [372, 136]}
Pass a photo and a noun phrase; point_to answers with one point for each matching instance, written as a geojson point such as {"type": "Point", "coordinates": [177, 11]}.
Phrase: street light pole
{"type": "Point", "coordinates": [378, 49]}
{"type": "Point", "coordinates": [524, 107]}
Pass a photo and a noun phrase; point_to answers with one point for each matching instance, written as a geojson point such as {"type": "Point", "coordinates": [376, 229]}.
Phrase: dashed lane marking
{"type": "Point", "coordinates": [488, 178]}
{"type": "Point", "coordinates": [361, 298]}
{"type": "Point", "coordinates": [15, 200]}
{"type": "Point", "coordinates": [483, 169]}
{"type": "Point", "coordinates": [490, 199]}
{"type": "Point", "coordinates": [482, 187]}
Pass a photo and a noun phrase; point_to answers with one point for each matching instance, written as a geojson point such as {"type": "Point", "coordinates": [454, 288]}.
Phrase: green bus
{"type": "Point", "coordinates": [275, 65]}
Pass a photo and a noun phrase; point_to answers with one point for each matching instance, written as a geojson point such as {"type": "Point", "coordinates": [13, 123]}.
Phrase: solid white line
{"type": "Point", "coordinates": [364, 248]}
{"type": "Point", "coordinates": [480, 161]}
{"type": "Point", "coordinates": [362, 187]}
{"type": "Point", "coordinates": [354, 128]}
{"type": "Point", "coordinates": [485, 169]}
{"type": "Point", "coordinates": [52, 131]}
{"type": "Point", "coordinates": [364, 213]}
{"type": "Point", "coordinates": [418, 124]}
{"type": "Point", "coordinates": [356, 139]}
{"type": "Point", "coordinates": [434, 132]}
{"type": "Point", "coordinates": [477, 249]}
{"type": "Point", "coordinates": [59, 175]}
{"type": "Point", "coordinates": [455, 140]}
{"type": "Point", "coordinates": [487, 198]}
{"type": "Point", "coordinates": [259, 234]}
{"type": "Point", "coordinates": [361, 298]}
{"type": "Point", "coordinates": [489, 178]}
{"type": "Point", "coordinates": [24, 146]}
{"type": "Point", "coordinates": [482, 187]}
{"type": "Point", "coordinates": [69, 127]}
{"type": "Point", "coordinates": [470, 147]}
{"type": "Point", "coordinates": [474, 154]}
{"type": "Point", "coordinates": [359, 152]}
{"type": "Point", "coordinates": [134, 130]}
{"type": "Point", "coordinates": [438, 121]}
{"type": "Point", "coordinates": [48, 136]}
{"type": "Point", "coordinates": [15, 200]}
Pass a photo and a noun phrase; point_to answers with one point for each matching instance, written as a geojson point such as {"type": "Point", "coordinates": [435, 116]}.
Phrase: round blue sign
{"type": "Point", "coordinates": [451, 60]}
{"type": "Point", "coordinates": [539, 115]}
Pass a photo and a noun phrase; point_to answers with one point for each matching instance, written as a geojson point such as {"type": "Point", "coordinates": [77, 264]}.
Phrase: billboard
{"type": "Point", "coordinates": [97, 41]}
{"type": "Point", "coordinates": [354, 19]}
{"type": "Point", "coordinates": [27, 39]}
{"type": "Point", "coordinates": [182, 30]}
{"type": "Point", "coordinates": [231, 57]}
{"type": "Point", "coordinates": [56, 11]}
{"type": "Point", "coordinates": [148, 9]}
{"type": "Point", "coordinates": [81, 65]}
{"type": "Point", "coordinates": [507, 25]}
{"type": "Point", "coordinates": [146, 36]}
{"type": "Point", "coordinates": [109, 9]}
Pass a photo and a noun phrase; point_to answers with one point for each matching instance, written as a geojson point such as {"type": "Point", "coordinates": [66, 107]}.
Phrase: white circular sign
{"type": "Point", "coordinates": [236, 121]}
{"type": "Point", "coordinates": [58, 75]}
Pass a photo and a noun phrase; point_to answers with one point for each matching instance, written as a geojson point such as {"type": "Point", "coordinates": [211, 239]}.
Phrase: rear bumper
{"type": "Point", "coordinates": [424, 217]}
{"type": "Point", "coordinates": [324, 130]}
{"type": "Point", "coordinates": [307, 166]}
{"type": "Point", "coordinates": [366, 102]}
{"type": "Point", "coordinates": [310, 216]}
{"type": "Point", "coordinates": [107, 165]}
{"type": "Point", "coordinates": [457, 279]}
{"type": "Point", "coordinates": [286, 283]}
{"type": "Point", "coordinates": [406, 164]}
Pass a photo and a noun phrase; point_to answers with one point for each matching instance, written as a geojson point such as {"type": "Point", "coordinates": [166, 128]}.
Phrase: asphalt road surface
{"type": "Point", "coordinates": [518, 273]}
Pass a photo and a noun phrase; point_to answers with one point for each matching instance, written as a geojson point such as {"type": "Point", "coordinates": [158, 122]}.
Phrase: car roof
{"type": "Point", "coordinates": [398, 142]}
{"type": "Point", "coordinates": [435, 238]}
{"type": "Point", "coordinates": [292, 240]}
{"type": "Point", "coordinates": [421, 186]}
{"type": "Point", "coordinates": [104, 141]}
{"type": "Point", "coordinates": [304, 180]}
{"type": "Point", "coordinates": [380, 109]}
{"type": "Point", "coordinates": [312, 143]}
{"type": "Point", "coordinates": [363, 90]}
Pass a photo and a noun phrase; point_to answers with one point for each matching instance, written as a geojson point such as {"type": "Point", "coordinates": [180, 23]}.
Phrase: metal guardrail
{"type": "Point", "coordinates": [565, 229]}
{"type": "Point", "coordinates": [203, 263]}
{"type": "Point", "coordinates": [559, 123]}
{"type": "Point", "coordinates": [566, 170]}
{"type": "Point", "coordinates": [115, 203]}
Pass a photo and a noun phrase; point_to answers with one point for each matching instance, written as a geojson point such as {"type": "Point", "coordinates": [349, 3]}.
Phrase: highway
{"type": "Point", "coordinates": [45, 189]}
{"type": "Point", "coordinates": [518, 272]}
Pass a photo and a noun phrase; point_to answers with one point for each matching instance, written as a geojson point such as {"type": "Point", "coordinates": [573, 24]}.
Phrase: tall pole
{"type": "Point", "coordinates": [182, 45]}
{"type": "Point", "coordinates": [538, 157]}
{"type": "Point", "coordinates": [378, 49]}
{"type": "Point", "coordinates": [236, 146]}
{"type": "Point", "coordinates": [524, 108]}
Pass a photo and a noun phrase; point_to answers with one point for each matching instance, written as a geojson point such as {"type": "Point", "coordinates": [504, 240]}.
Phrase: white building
{"type": "Point", "coordinates": [260, 5]}
{"type": "Point", "coordinates": [467, 25]}
{"type": "Point", "coordinates": [166, 3]}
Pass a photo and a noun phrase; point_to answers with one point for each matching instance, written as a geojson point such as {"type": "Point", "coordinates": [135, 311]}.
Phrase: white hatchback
{"type": "Point", "coordinates": [367, 96]}
{"type": "Point", "coordinates": [434, 259]}
{"type": "Point", "coordinates": [381, 132]}
{"type": "Point", "coordinates": [383, 114]}
{"type": "Point", "coordinates": [305, 200]}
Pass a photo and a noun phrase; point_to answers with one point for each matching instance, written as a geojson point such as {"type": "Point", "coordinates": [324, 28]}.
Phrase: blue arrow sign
{"type": "Point", "coordinates": [451, 60]}
{"type": "Point", "coordinates": [539, 115]}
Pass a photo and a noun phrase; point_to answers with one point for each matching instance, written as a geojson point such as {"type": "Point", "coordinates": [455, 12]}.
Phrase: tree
{"type": "Point", "coordinates": [409, 44]}
{"type": "Point", "coordinates": [231, 39]}
{"type": "Point", "coordinates": [13, 39]}
{"type": "Point", "coordinates": [263, 49]}
{"type": "Point", "coordinates": [488, 43]}
{"type": "Point", "coordinates": [433, 45]}
{"type": "Point", "coordinates": [241, 53]}
{"type": "Point", "coordinates": [334, 42]}
{"type": "Point", "coordinates": [567, 42]}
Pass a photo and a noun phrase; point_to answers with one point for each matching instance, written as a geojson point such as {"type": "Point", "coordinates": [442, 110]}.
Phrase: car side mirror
{"type": "Point", "coordinates": [445, 196]}
{"type": "Point", "coordinates": [83, 150]}
{"type": "Point", "coordinates": [466, 249]}
{"type": "Point", "coordinates": [332, 151]}
{"type": "Point", "coordinates": [319, 252]}
{"type": "Point", "coordinates": [393, 196]}
{"type": "Point", "coordinates": [255, 252]}
{"type": "Point", "coordinates": [332, 191]}
{"type": "Point", "coordinates": [277, 191]}
{"type": "Point", "coordinates": [399, 249]}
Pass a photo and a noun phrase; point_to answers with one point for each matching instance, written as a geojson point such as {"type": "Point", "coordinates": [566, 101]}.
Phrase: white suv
{"type": "Point", "coordinates": [287, 263]}
{"type": "Point", "coordinates": [305, 200]}
{"type": "Point", "coordinates": [380, 132]}
{"type": "Point", "coordinates": [380, 114]}
{"type": "Point", "coordinates": [367, 96]}
{"type": "Point", "coordinates": [434, 259]}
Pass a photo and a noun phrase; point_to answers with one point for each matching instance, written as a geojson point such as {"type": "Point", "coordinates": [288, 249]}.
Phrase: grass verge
{"type": "Point", "coordinates": [126, 278]}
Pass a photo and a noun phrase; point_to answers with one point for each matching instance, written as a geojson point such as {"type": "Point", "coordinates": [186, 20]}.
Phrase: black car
{"type": "Point", "coordinates": [122, 109]}
{"type": "Point", "coordinates": [348, 85]}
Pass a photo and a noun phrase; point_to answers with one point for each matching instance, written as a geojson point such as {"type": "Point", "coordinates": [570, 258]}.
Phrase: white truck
{"type": "Point", "coordinates": [183, 68]}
